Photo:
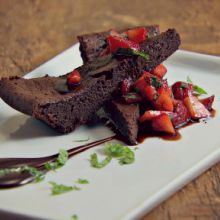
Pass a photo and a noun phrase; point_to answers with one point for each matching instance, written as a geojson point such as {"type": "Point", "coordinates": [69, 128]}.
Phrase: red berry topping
{"type": "Point", "coordinates": [73, 78]}
{"type": "Point", "coordinates": [115, 43]}
{"type": "Point", "coordinates": [137, 34]}
{"type": "Point", "coordinates": [159, 71]}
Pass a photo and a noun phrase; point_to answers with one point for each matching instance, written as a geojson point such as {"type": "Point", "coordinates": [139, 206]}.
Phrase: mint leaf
{"type": "Point", "coordinates": [125, 154]}
{"type": "Point", "coordinates": [196, 88]}
{"type": "Point", "coordinates": [6, 171]}
{"type": "Point", "coordinates": [58, 189]}
{"type": "Point", "coordinates": [114, 150]}
{"type": "Point", "coordinates": [155, 82]}
{"type": "Point", "coordinates": [62, 157]}
{"type": "Point", "coordinates": [189, 80]}
{"type": "Point", "coordinates": [60, 161]}
{"type": "Point", "coordinates": [95, 163]}
{"type": "Point", "coordinates": [38, 175]}
{"type": "Point", "coordinates": [199, 90]}
{"type": "Point", "coordinates": [82, 181]}
{"type": "Point", "coordinates": [128, 157]}
{"type": "Point", "coordinates": [131, 52]}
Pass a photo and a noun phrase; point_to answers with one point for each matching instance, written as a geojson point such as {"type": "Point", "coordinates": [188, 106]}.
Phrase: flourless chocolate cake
{"type": "Point", "coordinates": [64, 111]}
{"type": "Point", "coordinates": [123, 116]}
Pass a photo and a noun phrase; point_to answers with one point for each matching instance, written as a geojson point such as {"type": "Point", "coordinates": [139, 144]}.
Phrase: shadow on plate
{"type": "Point", "coordinates": [21, 127]}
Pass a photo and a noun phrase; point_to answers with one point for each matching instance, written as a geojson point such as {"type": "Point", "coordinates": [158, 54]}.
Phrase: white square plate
{"type": "Point", "coordinates": [115, 192]}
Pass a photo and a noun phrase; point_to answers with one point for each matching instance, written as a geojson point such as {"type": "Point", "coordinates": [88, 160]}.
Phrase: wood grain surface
{"type": "Point", "coordinates": [32, 31]}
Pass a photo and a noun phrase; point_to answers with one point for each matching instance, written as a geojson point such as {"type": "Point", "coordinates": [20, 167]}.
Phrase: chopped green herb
{"type": "Point", "coordinates": [156, 82]}
{"type": "Point", "coordinates": [125, 154]}
{"type": "Point", "coordinates": [141, 54]}
{"type": "Point", "coordinates": [196, 88]}
{"type": "Point", "coordinates": [189, 80]}
{"type": "Point", "coordinates": [62, 157]}
{"type": "Point", "coordinates": [131, 52]}
{"type": "Point", "coordinates": [58, 189]}
{"type": "Point", "coordinates": [128, 157]}
{"type": "Point", "coordinates": [38, 175]}
{"type": "Point", "coordinates": [82, 140]}
{"type": "Point", "coordinates": [114, 150]}
{"type": "Point", "coordinates": [95, 163]}
{"type": "Point", "coordinates": [60, 161]}
{"type": "Point", "coordinates": [74, 217]}
{"type": "Point", "coordinates": [199, 90]}
{"type": "Point", "coordinates": [82, 181]}
{"type": "Point", "coordinates": [6, 171]}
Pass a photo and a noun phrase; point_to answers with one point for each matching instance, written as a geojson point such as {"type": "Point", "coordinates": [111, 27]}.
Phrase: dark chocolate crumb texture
{"type": "Point", "coordinates": [64, 111]}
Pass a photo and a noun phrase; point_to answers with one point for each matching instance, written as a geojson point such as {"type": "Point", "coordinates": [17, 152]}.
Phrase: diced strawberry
{"type": "Point", "coordinates": [164, 102]}
{"type": "Point", "coordinates": [126, 86]}
{"type": "Point", "coordinates": [207, 102]}
{"type": "Point", "coordinates": [73, 78]}
{"type": "Point", "coordinates": [163, 123]}
{"type": "Point", "coordinates": [149, 93]}
{"type": "Point", "coordinates": [182, 90]}
{"type": "Point", "coordinates": [165, 88]}
{"type": "Point", "coordinates": [132, 97]}
{"type": "Point", "coordinates": [159, 71]}
{"type": "Point", "coordinates": [151, 114]}
{"type": "Point", "coordinates": [115, 43]}
{"type": "Point", "coordinates": [141, 83]}
{"type": "Point", "coordinates": [196, 109]}
{"type": "Point", "coordinates": [137, 35]}
{"type": "Point", "coordinates": [181, 115]}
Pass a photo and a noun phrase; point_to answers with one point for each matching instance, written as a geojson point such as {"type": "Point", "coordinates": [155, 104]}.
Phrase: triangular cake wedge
{"type": "Point", "coordinates": [123, 116]}
{"type": "Point", "coordinates": [64, 112]}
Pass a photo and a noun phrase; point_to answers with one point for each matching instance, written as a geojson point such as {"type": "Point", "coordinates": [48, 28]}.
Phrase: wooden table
{"type": "Point", "coordinates": [33, 31]}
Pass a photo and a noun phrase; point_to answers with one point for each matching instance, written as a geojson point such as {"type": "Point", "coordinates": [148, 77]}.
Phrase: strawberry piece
{"type": "Point", "coordinates": [196, 109]}
{"type": "Point", "coordinates": [165, 88]}
{"type": "Point", "coordinates": [182, 90]}
{"type": "Point", "coordinates": [207, 102]}
{"type": "Point", "coordinates": [163, 123]}
{"type": "Point", "coordinates": [126, 86]}
{"type": "Point", "coordinates": [142, 82]}
{"type": "Point", "coordinates": [116, 42]}
{"type": "Point", "coordinates": [73, 78]}
{"type": "Point", "coordinates": [164, 102]}
{"type": "Point", "coordinates": [137, 35]}
{"type": "Point", "coordinates": [149, 93]}
{"type": "Point", "coordinates": [181, 115]}
{"type": "Point", "coordinates": [151, 114]}
{"type": "Point", "coordinates": [159, 71]}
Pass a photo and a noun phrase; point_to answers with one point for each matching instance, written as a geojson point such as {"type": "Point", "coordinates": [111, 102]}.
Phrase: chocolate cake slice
{"type": "Point", "coordinates": [123, 116]}
{"type": "Point", "coordinates": [125, 119]}
{"type": "Point", "coordinates": [93, 45]}
{"type": "Point", "coordinates": [43, 99]}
